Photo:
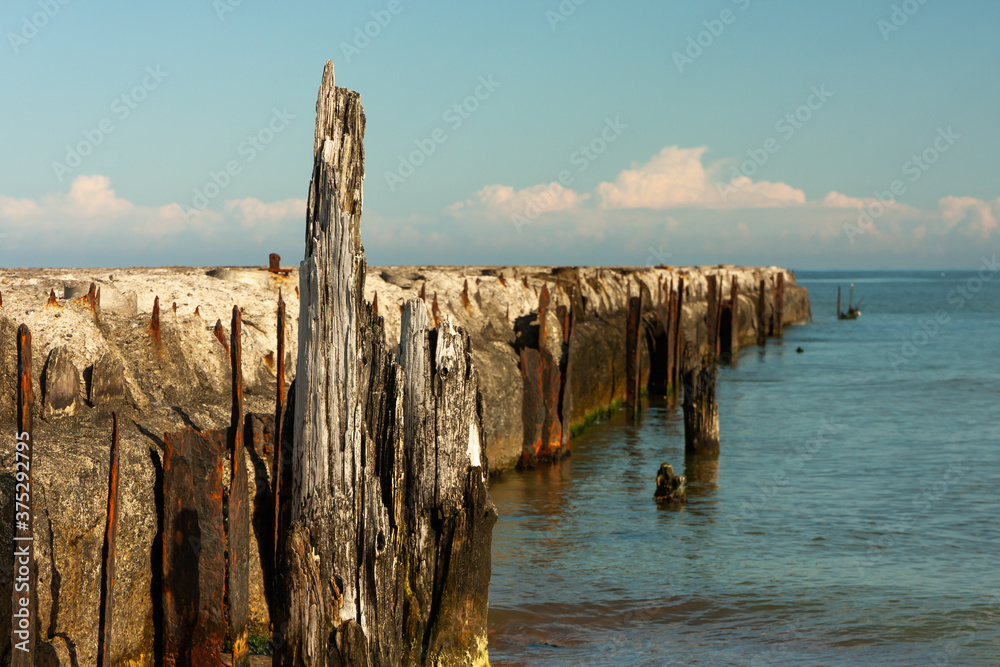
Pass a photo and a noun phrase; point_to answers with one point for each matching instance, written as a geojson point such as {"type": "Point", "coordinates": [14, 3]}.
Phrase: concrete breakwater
{"type": "Point", "coordinates": [166, 370]}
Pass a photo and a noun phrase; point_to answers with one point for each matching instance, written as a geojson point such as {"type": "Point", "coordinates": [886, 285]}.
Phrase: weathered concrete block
{"type": "Point", "coordinates": [63, 393]}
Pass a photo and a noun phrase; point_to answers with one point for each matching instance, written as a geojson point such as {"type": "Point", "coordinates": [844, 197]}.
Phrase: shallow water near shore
{"type": "Point", "coordinates": [852, 517]}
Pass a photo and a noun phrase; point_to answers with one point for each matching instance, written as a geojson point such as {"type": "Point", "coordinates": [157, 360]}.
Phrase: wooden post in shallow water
{"type": "Point", "coordinates": [701, 412]}
{"type": "Point", "coordinates": [353, 565]}
{"type": "Point", "coordinates": [779, 304]}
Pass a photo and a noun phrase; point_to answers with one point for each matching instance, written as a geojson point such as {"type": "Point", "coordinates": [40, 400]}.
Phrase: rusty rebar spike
{"type": "Point", "coordinates": [436, 311]}
{"type": "Point", "coordinates": [279, 418]}
{"type": "Point", "coordinates": [92, 296]}
{"type": "Point", "coordinates": [154, 324]}
{"type": "Point", "coordinates": [375, 304]}
{"type": "Point", "coordinates": [508, 313]}
{"type": "Point", "coordinates": [423, 292]}
{"type": "Point", "coordinates": [1, 299]}
{"type": "Point", "coordinates": [524, 281]}
{"type": "Point", "coordinates": [110, 540]}
{"type": "Point", "coordinates": [275, 262]}
{"type": "Point", "coordinates": [220, 335]}
{"type": "Point", "coordinates": [503, 281]}
{"type": "Point", "coordinates": [52, 299]}
{"type": "Point", "coordinates": [97, 298]}
{"type": "Point", "coordinates": [175, 307]}
{"type": "Point", "coordinates": [238, 584]}
{"type": "Point", "coordinates": [465, 294]}
{"type": "Point", "coordinates": [24, 553]}
{"type": "Point", "coordinates": [197, 311]}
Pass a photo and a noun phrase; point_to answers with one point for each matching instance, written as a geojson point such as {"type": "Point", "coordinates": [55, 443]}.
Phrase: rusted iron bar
{"type": "Point", "coordinates": [110, 540]}
{"type": "Point", "coordinates": [25, 601]}
{"type": "Point", "coordinates": [279, 419]}
{"type": "Point", "coordinates": [194, 551]}
{"type": "Point", "coordinates": [465, 294]}
{"type": "Point", "coordinates": [220, 335]}
{"type": "Point", "coordinates": [175, 307]}
{"type": "Point", "coordinates": [197, 311]}
{"type": "Point", "coordinates": [52, 299]}
{"type": "Point", "coordinates": [423, 292]}
{"type": "Point", "coordinates": [779, 305]}
{"type": "Point", "coordinates": [274, 260]}
{"type": "Point", "coordinates": [238, 589]}
{"type": "Point", "coordinates": [503, 280]}
{"type": "Point", "coordinates": [154, 324]}
{"type": "Point", "coordinates": [436, 311]}
{"type": "Point", "coordinates": [762, 313]}
{"type": "Point", "coordinates": [633, 328]}
{"type": "Point", "coordinates": [375, 304]}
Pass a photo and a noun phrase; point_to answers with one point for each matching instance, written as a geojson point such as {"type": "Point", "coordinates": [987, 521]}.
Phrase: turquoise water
{"type": "Point", "coordinates": [853, 517]}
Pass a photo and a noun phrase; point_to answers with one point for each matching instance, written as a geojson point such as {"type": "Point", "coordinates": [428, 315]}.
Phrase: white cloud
{"type": "Point", "coordinates": [504, 200]}
{"type": "Point", "coordinates": [974, 216]}
{"type": "Point", "coordinates": [677, 178]}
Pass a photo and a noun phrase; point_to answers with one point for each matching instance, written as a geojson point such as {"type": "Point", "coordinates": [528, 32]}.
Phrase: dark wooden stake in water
{"type": "Point", "coordinates": [238, 590]}
{"type": "Point", "coordinates": [712, 316]}
{"type": "Point", "coordinates": [762, 313]}
{"type": "Point", "coordinates": [110, 539]}
{"type": "Point", "coordinates": [25, 600]}
{"type": "Point", "coordinates": [632, 359]}
{"type": "Point", "coordinates": [701, 412]}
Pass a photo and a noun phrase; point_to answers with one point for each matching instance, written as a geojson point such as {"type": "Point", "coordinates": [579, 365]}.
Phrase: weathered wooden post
{"type": "Point", "coordinates": [24, 613]}
{"type": "Point", "coordinates": [701, 412]}
{"type": "Point", "coordinates": [762, 313]}
{"type": "Point", "coordinates": [633, 327]}
{"type": "Point", "coordinates": [238, 552]}
{"type": "Point", "coordinates": [278, 491]}
{"type": "Point", "coordinates": [448, 509]}
{"type": "Point", "coordinates": [712, 313]}
{"type": "Point", "coordinates": [110, 538]}
{"type": "Point", "coordinates": [356, 498]}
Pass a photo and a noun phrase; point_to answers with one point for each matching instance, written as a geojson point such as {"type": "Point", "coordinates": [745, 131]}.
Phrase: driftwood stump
{"type": "Point", "coordinates": [386, 560]}
{"type": "Point", "coordinates": [669, 486]}
{"type": "Point", "coordinates": [701, 412]}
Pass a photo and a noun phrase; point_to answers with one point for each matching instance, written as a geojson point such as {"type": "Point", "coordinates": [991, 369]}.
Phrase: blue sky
{"type": "Point", "coordinates": [737, 131]}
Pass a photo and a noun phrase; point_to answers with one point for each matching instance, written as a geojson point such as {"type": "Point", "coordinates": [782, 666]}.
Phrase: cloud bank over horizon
{"type": "Point", "coordinates": [673, 208]}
